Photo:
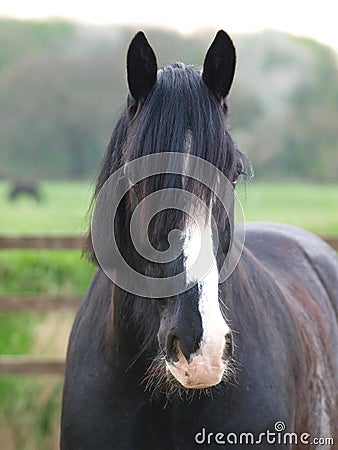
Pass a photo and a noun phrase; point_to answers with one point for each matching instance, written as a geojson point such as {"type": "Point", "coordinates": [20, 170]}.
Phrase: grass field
{"type": "Point", "coordinates": [29, 408]}
{"type": "Point", "coordinates": [310, 206]}
{"type": "Point", "coordinates": [62, 210]}
{"type": "Point", "coordinates": [64, 207]}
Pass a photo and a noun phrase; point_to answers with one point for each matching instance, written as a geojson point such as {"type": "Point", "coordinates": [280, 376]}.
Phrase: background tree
{"type": "Point", "coordinates": [62, 86]}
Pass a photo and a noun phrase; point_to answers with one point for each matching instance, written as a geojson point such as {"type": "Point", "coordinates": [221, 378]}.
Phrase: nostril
{"type": "Point", "coordinates": [172, 348]}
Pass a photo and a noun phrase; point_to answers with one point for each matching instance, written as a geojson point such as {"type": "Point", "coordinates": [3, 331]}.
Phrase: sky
{"type": "Point", "coordinates": [315, 19]}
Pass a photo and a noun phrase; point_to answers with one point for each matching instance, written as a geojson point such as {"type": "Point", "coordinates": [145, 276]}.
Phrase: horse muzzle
{"type": "Point", "coordinates": [204, 368]}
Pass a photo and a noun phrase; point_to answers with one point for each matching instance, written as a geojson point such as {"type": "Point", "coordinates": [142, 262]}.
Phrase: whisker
{"type": "Point", "coordinates": [159, 380]}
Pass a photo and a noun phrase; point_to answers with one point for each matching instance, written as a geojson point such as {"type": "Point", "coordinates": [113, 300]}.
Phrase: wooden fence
{"type": "Point", "coordinates": [41, 365]}
{"type": "Point", "coordinates": [29, 364]}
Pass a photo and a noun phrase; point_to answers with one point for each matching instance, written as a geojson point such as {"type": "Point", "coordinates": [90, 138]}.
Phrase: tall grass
{"type": "Point", "coordinates": [30, 407]}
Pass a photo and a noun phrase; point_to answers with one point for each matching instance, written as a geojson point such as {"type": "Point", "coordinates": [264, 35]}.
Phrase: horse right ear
{"type": "Point", "coordinates": [219, 65]}
{"type": "Point", "coordinates": [141, 67]}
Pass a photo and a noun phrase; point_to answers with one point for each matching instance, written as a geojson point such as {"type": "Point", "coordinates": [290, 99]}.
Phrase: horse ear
{"type": "Point", "coordinates": [141, 67]}
{"type": "Point", "coordinates": [219, 65]}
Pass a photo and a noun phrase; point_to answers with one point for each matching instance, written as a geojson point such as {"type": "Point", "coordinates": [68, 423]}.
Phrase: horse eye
{"type": "Point", "coordinates": [238, 172]}
{"type": "Point", "coordinates": [235, 178]}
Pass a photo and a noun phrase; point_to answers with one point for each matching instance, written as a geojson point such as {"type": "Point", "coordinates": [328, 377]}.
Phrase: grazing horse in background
{"type": "Point", "coordinates": [251, 361]}
{"type": "Point", "coordinates": [24, 188]}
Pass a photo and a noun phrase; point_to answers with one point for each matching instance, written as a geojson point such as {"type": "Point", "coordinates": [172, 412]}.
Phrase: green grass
{"type": "Point", "coordinates": [30, 406]}
{"type": "Point", "coordinates": [43, 272]}
{"type": "Point", "coordinates": [63, 209]}
{"type": "Point", "coordinates": [310, 206]}
{"type": "Point", "coordinates": [26, 272]}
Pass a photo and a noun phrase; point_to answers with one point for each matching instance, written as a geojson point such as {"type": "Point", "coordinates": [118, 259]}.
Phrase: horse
{"type": "Point", "coordinates": [27, 188]}
{"type": "Point", "coordinates": [249, 360]}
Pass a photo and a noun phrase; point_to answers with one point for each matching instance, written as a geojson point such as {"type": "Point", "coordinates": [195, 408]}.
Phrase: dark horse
{"type": "Point", "coordinates": [249, 362]}
{"type": "Point", "coordinates": [26, 188]}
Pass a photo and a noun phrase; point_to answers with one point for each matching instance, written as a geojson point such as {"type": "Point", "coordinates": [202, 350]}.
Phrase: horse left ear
{"type": "Point", "coordinates": [141, 67]}
{"type": "Point", "coordinates": [219, 65]}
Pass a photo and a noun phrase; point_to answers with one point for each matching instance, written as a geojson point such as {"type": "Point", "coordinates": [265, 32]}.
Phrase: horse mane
{"type": "Point", "coordinates": [179, 115]}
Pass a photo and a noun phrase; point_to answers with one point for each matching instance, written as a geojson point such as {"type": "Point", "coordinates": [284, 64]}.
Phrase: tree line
{"type": "Point", "coordinates": [63, 85]}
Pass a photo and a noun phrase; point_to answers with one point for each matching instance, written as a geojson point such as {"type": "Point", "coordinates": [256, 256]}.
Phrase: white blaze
{"type": "Point", "coordinates": [206, 367]}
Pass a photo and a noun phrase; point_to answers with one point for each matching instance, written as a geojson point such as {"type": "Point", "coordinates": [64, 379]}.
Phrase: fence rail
{"type": "Point", "coordinates": [41, 242]}
{"type": "Point", "coordinates": [38, 303]}
{"type": "Point", "coordinates": [48, 242]}
{"type": "Point", "coordinates": [31, 365]}
{"type": "Point", "coordinates": [41, 365]}
{"type": "Point", "coordinates": [331, 240]}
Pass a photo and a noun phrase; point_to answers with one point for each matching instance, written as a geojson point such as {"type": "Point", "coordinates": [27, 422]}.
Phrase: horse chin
{"type": "Point", "coordinates": [200, 373]}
